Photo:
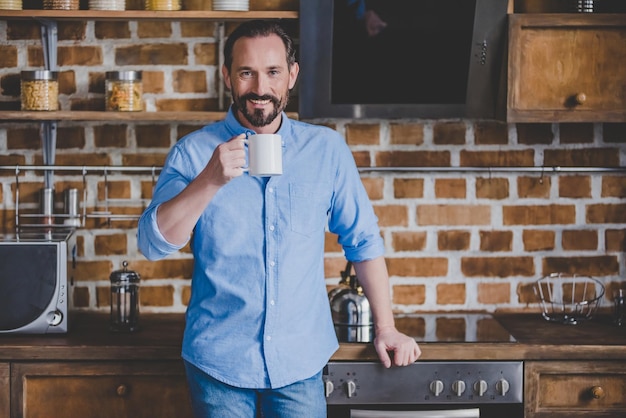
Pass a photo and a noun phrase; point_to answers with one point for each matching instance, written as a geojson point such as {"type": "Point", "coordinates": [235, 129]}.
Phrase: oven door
{"type": "Point", "coordinates": [450, 413]}
{"type": "Point", "coordinates": [423, 411]}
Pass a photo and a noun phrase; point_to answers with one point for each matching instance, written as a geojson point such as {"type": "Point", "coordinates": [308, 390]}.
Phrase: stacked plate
{"type": "Point", "coordinates": [11, 4]}
{"type": "Point", "coordinates": [238, 5]}
{"type": "Point", "coordinates": [107, 4]}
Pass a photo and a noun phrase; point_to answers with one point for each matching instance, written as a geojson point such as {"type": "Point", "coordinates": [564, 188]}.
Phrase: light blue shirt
{"type": "Point", "coordinates": [259, 315]}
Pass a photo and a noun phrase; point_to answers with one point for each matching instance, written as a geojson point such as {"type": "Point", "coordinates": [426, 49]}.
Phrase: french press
{"type": "Point", "coordinates": [124, 300]}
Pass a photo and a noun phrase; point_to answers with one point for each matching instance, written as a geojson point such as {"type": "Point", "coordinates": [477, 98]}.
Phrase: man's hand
{"type": "Point", "coordinates": [227, 161]}
{"type": "Point", "coordinates": [404, 348]}
{"type": "Point", "coordinates": [373, 23]}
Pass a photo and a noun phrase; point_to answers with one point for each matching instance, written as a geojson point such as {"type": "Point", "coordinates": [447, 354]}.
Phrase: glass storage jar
{"type": "Point", "coordinates": [107, 4]}
{"type": "Point", "coordinates": [61, 4]}
{"type": "Point", "coordinates": [124, 91]}
{"type": "Point", "coordinates": [39, 90]}
{"type": "Point", "coordinates": [163, 4]}
{"type": "Point", "coordinates": [10, 4]}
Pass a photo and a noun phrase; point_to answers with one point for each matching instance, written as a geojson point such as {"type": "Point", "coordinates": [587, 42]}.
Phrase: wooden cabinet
{"type": "Point", "coordinates": [4, 389]}
{"type": "Point", "coordinates": [100, 390]}
{"type": "Point", "coordinates": [571, 389]}
{"type": "Point", "coordinates": [94, 390]}
{"type": "Point", "coordinates": [91, 372]}
{"type": "Point", "coordinates": [567, 68]}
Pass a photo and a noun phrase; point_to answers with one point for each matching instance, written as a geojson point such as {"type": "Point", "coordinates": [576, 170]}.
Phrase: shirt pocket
{"type": "Point", "coordinates": [309, 203]}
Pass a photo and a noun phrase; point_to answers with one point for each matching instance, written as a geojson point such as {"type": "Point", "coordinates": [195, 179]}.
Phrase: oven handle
{"type": "Point", "coordinates": [451, 413]}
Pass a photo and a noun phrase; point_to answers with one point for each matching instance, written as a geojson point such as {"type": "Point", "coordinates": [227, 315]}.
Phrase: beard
{"type": "Point", "coordinates": [258, 118]}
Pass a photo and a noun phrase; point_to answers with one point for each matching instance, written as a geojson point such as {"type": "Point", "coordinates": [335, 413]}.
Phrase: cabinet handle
{"type": "Point", "coordinates": [121, 390]}
{"type": "Point", "coordinates": [580, 98]}
{"type": "Point", "coordinates": [597, 392]}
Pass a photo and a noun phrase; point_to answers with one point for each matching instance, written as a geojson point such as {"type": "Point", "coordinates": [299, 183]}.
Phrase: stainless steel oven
{"type": "Point", "coordinates": [431, 389]}
{"type": "Point", "coordinates": [425, 390]}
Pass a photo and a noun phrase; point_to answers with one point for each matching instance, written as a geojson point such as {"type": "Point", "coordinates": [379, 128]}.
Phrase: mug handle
{"type": "Point", "coordinates": [246, 168]}
{"type": "Point", "coordinates": [248, 132]}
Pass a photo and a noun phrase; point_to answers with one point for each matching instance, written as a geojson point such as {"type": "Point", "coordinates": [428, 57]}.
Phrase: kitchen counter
{"type": "Point", "coordinates": [535, 339]}
{"type": "Point", "coordinates": [89, 338]}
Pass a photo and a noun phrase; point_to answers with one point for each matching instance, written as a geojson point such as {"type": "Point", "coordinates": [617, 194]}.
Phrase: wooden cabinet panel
{"type": "Point", "coordinates": [5, 390]}
{"type": "Point", "coordinates": [100, 390]}
{"type": "Point", "coordinates": [567, 67]}
{"type": "Point", "coordinates": [575, 389]}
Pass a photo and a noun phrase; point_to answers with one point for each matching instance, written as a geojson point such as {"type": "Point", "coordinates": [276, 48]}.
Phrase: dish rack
{"type": "Point", "coordinates": [569, 299]}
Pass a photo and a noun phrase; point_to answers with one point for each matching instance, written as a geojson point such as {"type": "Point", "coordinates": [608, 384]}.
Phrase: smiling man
{"type": "Point", "coordinates": [258, 326]}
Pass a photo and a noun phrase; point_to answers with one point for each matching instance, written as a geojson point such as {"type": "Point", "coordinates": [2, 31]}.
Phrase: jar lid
{"type": "Point", "coordinates": [39, 75]}
{"type": "Point", "coordinates": [123, 75]}
{"type": "Point", "coordinates": [124, 275]}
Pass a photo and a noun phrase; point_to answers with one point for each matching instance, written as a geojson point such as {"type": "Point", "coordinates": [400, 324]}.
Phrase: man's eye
{"type": "Point", "coordinates": [274, 73]}
{"type": "Point", "coordinates": [245, 74]}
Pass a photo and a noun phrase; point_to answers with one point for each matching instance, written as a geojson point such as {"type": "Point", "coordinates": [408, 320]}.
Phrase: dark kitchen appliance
{"type": "Point", "coordinates": [432, 389]}
{"type": "Point", "coordinates": [34, 269]}
{"type": "Point", "coordinates": [434, 59]}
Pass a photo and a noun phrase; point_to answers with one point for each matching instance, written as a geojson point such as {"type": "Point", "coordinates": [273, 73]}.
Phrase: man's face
{"type": "Point", "coordinates": [260, 81]}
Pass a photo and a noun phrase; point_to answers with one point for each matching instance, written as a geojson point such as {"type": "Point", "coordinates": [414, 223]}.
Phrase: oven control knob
{"type": "Point", "coordinates": [458, 387]}
{"type": "Point", "coordinates": [54, 318]}
{"type": "Point", "coordinates": [328, 387]}
{"type": "Point", "coordinates": [350, 388]}
{"type": "Point", "coordinates": [502, 387]}
{"type": "Point", "coordinates": [436, 387]}
{"type": "Point", "coordinates": [480, 387]}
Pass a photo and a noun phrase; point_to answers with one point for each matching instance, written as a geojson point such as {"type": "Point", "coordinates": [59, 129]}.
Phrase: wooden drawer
{"type": "Point", "coordinates": [575, 389]}
{"type": "Point", "coordinates": [5, 390]}
{"type": "Point", "coordinates": [567, 68]}
{"type": "Point", "coordinates": [100, 390]}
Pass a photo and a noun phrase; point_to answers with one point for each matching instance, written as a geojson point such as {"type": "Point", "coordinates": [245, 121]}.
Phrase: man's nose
{"type": "Point", "coordinates": [261, 85]}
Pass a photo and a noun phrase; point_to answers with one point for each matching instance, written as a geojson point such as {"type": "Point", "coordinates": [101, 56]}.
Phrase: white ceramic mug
{"type": "Point", "coordinates": [265, 155]}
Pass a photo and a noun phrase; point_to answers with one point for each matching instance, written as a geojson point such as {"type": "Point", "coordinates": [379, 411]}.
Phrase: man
{"type": "Point", "coordinates": [258, 326]}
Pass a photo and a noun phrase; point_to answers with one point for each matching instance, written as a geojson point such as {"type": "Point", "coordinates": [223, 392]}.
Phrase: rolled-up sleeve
{"type": "Point", "coordinates": [352, 216]}
{"type": "Point", "coordinates": [151, 242]}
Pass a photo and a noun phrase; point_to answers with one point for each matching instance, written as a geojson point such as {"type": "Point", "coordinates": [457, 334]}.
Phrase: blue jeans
{"type": "Point", "coordinates": [211, 398]}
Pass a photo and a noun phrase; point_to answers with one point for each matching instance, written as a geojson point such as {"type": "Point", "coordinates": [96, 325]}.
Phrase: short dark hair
{"type": "Point", "coordinates": [258, 28]}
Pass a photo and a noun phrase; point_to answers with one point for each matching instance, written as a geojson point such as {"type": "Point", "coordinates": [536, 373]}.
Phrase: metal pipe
{"type": "Point", "coordinates": [82, 168]}
{"type": "Point", "coordinates": [543, 170]}
{"type": "Point", "coordinates": [154, 169]}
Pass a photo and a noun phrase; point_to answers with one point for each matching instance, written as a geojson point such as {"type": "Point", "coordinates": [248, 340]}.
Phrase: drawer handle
{"type": "Point", "coordinates": [575, 100]}
{"type": "Point", "coordinates": [597, 392]}
{"type": "Point", "coordinates": [580, 98]}
{"type": "Point", "coordinates": [121, 390]}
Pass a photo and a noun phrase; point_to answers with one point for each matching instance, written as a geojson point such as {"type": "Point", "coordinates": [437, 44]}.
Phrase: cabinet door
{"type": "Point", "coordinates": [4, 389]}
{"type": "Point", "coordinates": [567, 68]}
{"type": "Point", "coordinates": [570, 389]}
{"type": "Point", "coordinates": [100, 390]}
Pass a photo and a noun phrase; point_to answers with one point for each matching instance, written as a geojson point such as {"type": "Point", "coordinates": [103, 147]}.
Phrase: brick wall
{"type": "Point", "coordinates": [474, 238]}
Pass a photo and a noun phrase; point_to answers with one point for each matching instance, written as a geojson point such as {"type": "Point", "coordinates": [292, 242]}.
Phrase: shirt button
{"type": "Point", "coordinates": [272, 302]}
{"type": "Point", "coordinates": [268, 338]}
{"type": "Point", "coordinates": [271, 190]}
{"type": "Point", "coordinates": [271, 227]}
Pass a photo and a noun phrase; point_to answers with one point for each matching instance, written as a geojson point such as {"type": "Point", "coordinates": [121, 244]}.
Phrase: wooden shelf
{"type": "Point", "coordinates": [71, 115]}
{"type": "Point", "coordinates": [144, 15]}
